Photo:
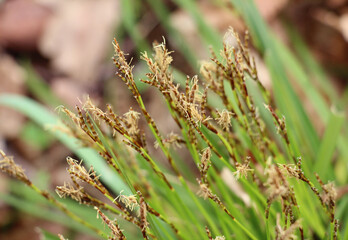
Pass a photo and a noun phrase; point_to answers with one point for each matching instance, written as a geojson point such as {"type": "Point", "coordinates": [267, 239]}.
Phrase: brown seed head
{"type": "Point", "coordinates": [224, 119]}
{"type": "Point", "coordinates": [131, 119]}
{"type": "Point", "coordinates": [130, 201]}
{"type": "Point", "coordinates": [205, 160]}
{"type": "Point", "coordinates": [204, 191]}
{"type": "Point", "coordinates": [242, 170]}
{"type": "Point", "coordinates": [329, 194]}
{"type": "Point", "coordinates": [68, 190]}
{"type": "Point", "coordinates": [8, 165]}
{"type": "Point", "coordinates": [113, 226]}
{"type": "Point", "coordinates": [286, 233]}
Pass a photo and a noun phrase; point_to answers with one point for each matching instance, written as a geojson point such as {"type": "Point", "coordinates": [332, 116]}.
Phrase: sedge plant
{"type": "Point", "coordinates": [249, 180]}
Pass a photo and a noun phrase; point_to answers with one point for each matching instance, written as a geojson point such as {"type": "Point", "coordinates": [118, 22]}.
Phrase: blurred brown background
{"type": "Point", "coordinates": [67, 45]}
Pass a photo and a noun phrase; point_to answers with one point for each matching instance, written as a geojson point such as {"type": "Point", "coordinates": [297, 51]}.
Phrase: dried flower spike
{"type": "Point", "coordinates": [129, 201]}
{"type": "Point", "coordinates": [204, 191]}
{"type": "Point", "coordinates": [162, 55]}
{"type": "Point", "coordinates": [8, 165]}
{"type": "Point", "coordinates": [68, 190]}
{"type": "Point", "coordinates": [142, 214]}
{"type": "Point", "coordinates": [329, 193]}
{"type": "Point", "coordinates": [115, 229]}
{"type": "Point", "coordinates": [205, 160]}
{"type": "Point", "coordinates": [205, 164]}
{"type": "Point", "coordinates": [286, 233]}
{"type": "Point", "coordinates": [171, 140]}
{"type": "Point", "coordinates": [131, 120]}
{"type": "Point", "coordinates": [278, 186]}
{"type": "Point", "coordinates": [242, 170]}
{"type": "Point", "coordinates": [80, 171]}
{"type": "Point", "coordinates": [291, 170]}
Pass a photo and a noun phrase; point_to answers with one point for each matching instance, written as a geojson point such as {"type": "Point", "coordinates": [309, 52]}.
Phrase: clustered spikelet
{"type": "Point", "coordinates": [290, 170]}
{"type": "Point", "coordinates": [131, 119]}
{"type": "Point", "coordinates": [129, 201]}
{"type": "Point", "coordinates": [113, 226]}
{"type": "Point", "coordinates": [68, 190]}
{"type": "Point", "coordinates": [79, 171]}
{"type": "Point", "coordinates": [142, 214]}
{"type": "Point", "coordinates": [125, 70]}
{"type": "Point", "coordinates": [89, 106]}
{"type": "Point", "coordinates": [69, 113]}
{"type": "Point", "coordinates": [281, 127]}
{"type": "Point", "coordinates": [242, 170]}
{"type": "Point", "coordinates": [162, 56]}
{"type": "Point", "coordinates": [329, 194]}
{"type": "Point", "coordinates": [224, 119]}
{"type": "Point", "coordinates": [284, 233]}
{"type": "Point", "coordinates": [205, 164]}
{"type": "Point", "coordinates": [204, 191]}
{"type": "Point", "coordinates": [8, 166]}
{"type": "Point", "coordinates": [278, 186]}
{"type": "Point", "coordinates": [189, 105]}
{"type": "Point", "coordinates": [171, 140]}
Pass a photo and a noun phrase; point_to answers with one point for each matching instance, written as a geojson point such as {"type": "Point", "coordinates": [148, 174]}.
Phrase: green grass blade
{"type": "Point", "coordinates": [39, 88]}
{"type": "Point", "coordinates": [290, 105]}
{"type": "Point", "coordinates": [328, 145]}
{"type": "Point", "coordinates": [300, 76]}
